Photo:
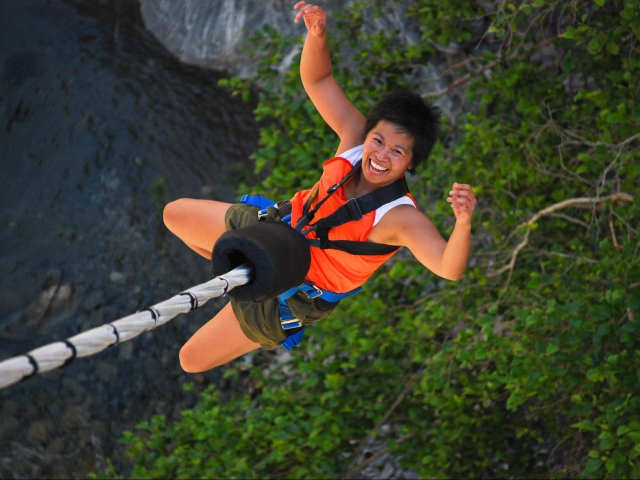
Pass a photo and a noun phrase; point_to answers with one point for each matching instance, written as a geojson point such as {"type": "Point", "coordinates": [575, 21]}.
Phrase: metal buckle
{"type": "Point", "coordinates": [293, 323]}
{"type": "Point", "coordinates": [314, 294]}
{"type": "Point", "coordinates": [262, 213]}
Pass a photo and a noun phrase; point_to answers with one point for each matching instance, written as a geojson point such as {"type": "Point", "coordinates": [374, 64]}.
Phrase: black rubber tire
{"type": "Point", "coordinates": [279, 254]}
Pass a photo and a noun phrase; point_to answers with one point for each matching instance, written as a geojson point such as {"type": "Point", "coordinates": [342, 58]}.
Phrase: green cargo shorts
{"type": "Point", "coordinates": [260, 322]}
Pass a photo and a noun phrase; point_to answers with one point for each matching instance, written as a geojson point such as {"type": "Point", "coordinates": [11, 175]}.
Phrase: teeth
{"type": "Point", "coordinates": [378, 167]}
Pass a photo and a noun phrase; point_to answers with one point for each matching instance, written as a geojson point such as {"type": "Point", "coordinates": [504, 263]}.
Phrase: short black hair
{"type": "Point", "coordinates": [414, 116]}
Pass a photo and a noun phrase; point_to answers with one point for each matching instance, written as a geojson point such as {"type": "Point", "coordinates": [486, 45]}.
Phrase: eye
{"type": "Point", "coordinates": [377, 140]}
{"type": "Point", "coordinates": [398, 152]}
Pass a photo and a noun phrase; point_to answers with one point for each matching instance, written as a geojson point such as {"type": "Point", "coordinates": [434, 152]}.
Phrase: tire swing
{"type": "Point", "coordinates": [279, 255]}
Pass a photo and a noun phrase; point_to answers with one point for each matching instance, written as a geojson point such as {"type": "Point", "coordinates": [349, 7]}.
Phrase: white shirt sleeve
{"type": "Point", "coordinates": [380, 212]}
{"type": "Point", "coordinates": [353, 155]}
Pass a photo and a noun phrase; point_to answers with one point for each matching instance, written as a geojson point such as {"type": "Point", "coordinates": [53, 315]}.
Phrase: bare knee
{"type": "Point", "coordinates": [173, 212]}
{"type": "Point", "coordinates": [191, 362]}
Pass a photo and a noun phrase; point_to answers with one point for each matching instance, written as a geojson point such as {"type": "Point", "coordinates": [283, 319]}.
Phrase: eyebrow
{"type": "Point", "coordinates": [396, 145]}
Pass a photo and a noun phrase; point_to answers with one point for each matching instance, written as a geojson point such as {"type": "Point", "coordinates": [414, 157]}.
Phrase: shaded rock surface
{"type": "Point", "coordinates": [99, 128]}
{"type": "Point", "coordinates": [216, 34]}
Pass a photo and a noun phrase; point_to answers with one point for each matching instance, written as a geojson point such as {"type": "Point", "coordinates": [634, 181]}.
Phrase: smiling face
{"type": "Point", "coordinates": [386, 155]}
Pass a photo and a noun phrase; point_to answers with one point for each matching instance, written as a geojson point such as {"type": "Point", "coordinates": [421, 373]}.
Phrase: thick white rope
{"type": "Point", "coordinates": [97, 339]}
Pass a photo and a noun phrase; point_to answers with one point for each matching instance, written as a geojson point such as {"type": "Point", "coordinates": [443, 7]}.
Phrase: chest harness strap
{"type": "Point", "coordinates": [353, 210]}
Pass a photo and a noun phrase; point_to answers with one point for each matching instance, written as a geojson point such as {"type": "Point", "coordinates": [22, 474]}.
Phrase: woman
{"type": "Point", "coordinates": [398, 134]}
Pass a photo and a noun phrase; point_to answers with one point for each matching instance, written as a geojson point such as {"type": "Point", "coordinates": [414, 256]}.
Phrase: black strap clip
{"type": "Point", "coordinates": [333, 188]}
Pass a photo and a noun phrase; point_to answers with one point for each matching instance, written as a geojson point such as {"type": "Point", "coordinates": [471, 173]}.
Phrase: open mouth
{"type": "Point", "coordinates": [376, 168]}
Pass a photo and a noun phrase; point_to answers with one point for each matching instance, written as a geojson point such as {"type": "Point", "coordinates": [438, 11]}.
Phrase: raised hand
{"type": "Point", "coordinates": [462, 201]}
{"type": "Point", "coordinates": [315, 18]}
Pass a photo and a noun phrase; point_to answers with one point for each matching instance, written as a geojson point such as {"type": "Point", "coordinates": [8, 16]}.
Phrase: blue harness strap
{"type": "Point", "coordinates": [257, 201]}
{"type": "Point", "coordinates": [292, 340]}
{"type": "Point", "coordinates": [287, 318]}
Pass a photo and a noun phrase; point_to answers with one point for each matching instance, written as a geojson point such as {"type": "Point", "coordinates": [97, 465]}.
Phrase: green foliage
{"type": "Point", "coordinates": [528, 366]}
{"type": "Point", "coordinates": [158, 194]}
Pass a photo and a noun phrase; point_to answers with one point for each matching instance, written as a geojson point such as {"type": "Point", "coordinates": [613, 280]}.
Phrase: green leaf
{"type": "Point", "coordinates": [595, 46]}
{"type": "Point", "coordinates": [611, 465]}
{"type": "Point", "coordinates": [592, 465]}
{"type": "Point", "coordinates": [552, 349]}
{"type": "Point", "coordinates": [585, 425]}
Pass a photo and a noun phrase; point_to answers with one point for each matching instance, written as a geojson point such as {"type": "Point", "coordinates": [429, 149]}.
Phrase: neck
{"type": "Point", "coordinates": [357, 186]}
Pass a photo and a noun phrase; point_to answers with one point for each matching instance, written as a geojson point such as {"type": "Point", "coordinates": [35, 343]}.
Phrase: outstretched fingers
{"type": "Point", "coordinates": [305, 8]}
{"type": "Point", "coordinates": [315, 18]}
{"type": "Point", "coordinates": [462, 198]}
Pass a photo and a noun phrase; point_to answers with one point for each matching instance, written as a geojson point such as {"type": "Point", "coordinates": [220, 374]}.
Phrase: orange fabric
{"type": "Point", "coordinates": [330, 269]}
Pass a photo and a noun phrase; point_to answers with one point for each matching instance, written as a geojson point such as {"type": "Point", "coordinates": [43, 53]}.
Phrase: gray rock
{"type": "Point", "coordinates": [213, 34]}
{"type": "Point", "coordinates": [117, 277]}
{"type": "Point", "coordinates": [9, 407]}
{"type": "Point", "coordinates": [10, 300]}
{"type": "Point", "coordinates": [51, 300]}
{"type": "Point", "coordinates": [107, 372]}
{"type": "Point", "coordinates": [125, 351]}
{"type": "Point", "coordinates": [8, 425]}
{"type": "Point", "coordinates": [73, 387]}
{"type": "Point", "coordinates": [39, 432]}
{"type": "Point", "coordinates": [74, 417]}
{"type": "Point", "coordinates": [93, 300]}
{"type": "Point", "coordinates": [56, 446]}
{"type": "Point", "coordinates": [127, 99]}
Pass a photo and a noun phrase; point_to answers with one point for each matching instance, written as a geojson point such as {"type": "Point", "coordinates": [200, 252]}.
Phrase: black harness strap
{"type": "Point", "coordinates": [352, 211]}
{"type": "Point", "coordinates": [356, 208]}
{"type": "Point", "coordinates": [308, 216]}
{"type": "Point", "coordinates": [355, 248]}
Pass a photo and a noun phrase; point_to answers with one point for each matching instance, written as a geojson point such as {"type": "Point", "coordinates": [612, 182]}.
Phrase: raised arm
{"type": "Point", "coordinates": [325, 93]}
{"type": "Point", "coordinates": [408, 227]}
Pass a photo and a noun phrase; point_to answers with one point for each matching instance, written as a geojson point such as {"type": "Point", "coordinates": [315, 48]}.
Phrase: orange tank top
{"type": "Point", "coordinates": [335, 270]}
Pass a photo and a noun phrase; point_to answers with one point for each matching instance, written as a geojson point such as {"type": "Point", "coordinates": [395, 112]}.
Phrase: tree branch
{"type": "Point", "coordinates": [465, 78]}
{"type": "Point", "coordinates": [572, 202]}
{"type": "Point", "coordinates": [569, 218]}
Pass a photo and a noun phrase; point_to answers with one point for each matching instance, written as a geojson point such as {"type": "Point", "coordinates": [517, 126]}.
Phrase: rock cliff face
{"type": "Point", "coordinates": [101, 128]}
{"type": "Point", "coordinates": [214, 34]}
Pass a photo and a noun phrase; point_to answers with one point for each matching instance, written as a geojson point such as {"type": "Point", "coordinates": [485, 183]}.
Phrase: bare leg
{"type": "Point", "coordinates": [219, 341]}
{"type": "Point", "coordinates": [198, 223]}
